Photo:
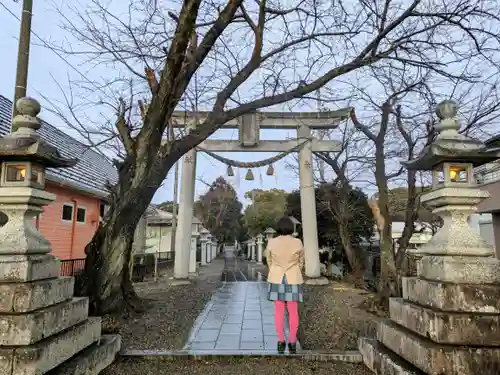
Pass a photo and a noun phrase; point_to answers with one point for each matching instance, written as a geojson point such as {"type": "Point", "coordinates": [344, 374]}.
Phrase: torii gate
{"type": "Point", "coordinates": [249, 126]}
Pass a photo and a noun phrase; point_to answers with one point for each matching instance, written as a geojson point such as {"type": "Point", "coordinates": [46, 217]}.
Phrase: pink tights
{"type": "Point", "coordinates": [293, 317]}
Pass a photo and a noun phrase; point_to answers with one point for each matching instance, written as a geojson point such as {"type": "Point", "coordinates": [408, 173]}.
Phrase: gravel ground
{"type": "Point", "coordinates": [331, 317]}
{"type": "Point", "coordinates": [249, 366]}
{"type": "Point", "coordinates": [172, 310]}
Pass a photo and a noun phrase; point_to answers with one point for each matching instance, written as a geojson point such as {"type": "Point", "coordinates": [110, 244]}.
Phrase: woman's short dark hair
{"type": "Point", "coordinates": [284, 226]}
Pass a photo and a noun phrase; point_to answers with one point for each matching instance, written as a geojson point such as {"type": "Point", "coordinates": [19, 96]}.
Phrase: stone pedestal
{"type": "Point", "coordinates": [192, 256]}
{"type": "Point", "coordinates": [448, 320]}
{"type": "Point", "coordinates": [204, 254]}
{"type": "Point", "coordinates": [43, 328]}
{"type": "Point", "coordinates": [260, 244]}
{"type": "Point", "coordinates": [209, 251]}
{"type": "Point", "coordinates": [252, 251]}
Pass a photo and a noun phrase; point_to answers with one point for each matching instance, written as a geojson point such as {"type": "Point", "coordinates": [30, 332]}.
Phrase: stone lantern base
{"type": "Point", "coordinates": [448, 321]}
{"type": "Point", "coordinates": [43, 328]}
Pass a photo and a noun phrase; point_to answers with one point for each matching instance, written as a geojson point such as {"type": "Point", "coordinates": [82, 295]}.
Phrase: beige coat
{"type": "Point", "coordinates": [285, 256]}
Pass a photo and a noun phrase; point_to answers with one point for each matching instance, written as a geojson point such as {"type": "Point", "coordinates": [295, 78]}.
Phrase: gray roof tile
{"type": "Point", "coordinates": [92, 171]}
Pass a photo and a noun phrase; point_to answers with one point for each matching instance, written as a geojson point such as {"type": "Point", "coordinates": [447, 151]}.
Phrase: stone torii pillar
{"type": "Point", "coordinates": [308, 210]}
{"type": "Point", "coordinates": [185, 217]}
{"type": "Point", "coordinates": [43, 328]}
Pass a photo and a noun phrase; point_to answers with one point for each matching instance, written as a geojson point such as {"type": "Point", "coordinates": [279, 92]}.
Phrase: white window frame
{"type": "Point", "coordinates": [72, 212]}
{"type": "Point", "coordinates": [85, 216]}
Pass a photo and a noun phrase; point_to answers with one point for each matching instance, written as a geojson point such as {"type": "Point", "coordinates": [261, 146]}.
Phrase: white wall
{"type": "Point", "coordinates": [158, 239]}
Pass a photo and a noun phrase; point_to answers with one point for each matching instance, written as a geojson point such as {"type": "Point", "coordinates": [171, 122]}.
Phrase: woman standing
{"type": "Point", "coordinates": [285, 259]}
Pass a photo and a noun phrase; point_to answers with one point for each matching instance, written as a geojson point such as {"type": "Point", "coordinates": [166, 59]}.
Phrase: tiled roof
{"type": "Point", "coordinates": [89, 175]}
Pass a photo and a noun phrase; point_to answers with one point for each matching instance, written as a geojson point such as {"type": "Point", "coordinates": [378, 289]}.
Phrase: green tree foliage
{"type": "Point", "coordinates": [220, 211]}
{"type": "Point", "coordinates": [168, 206]}
{"type": "Point", "coordinates": [360, 219]}
{"type": "Point", "coordinates": [266, 208]}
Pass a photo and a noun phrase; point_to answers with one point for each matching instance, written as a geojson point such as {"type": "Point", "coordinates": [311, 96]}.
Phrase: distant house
{"type": "Point", "coordinates": [81, 195]}
{"type": "Point", "coordinates": [159, 232]}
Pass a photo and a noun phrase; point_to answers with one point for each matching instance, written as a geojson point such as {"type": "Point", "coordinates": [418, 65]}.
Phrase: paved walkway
{"type": "Point", "coordinates": [237, 320]}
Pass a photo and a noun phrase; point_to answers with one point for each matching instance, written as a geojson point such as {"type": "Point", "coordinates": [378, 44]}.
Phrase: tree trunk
{"type": "Point", "coordinates": [388, 276]}
{"type": "Point", "coordinates": [352, 257]}
{"type": "Point", "coordinates": [107, 276]}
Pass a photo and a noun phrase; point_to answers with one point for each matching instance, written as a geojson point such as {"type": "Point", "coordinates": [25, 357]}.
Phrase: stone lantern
{"type": "Point", "coordinates": [24, 158]}
{"type": "Point", "coordinates": [204, 246]}
{"type": "Point", "coordinates": [42, 327]}
{"type": "Point", "coordinates": [448, 320]}
{"type": "Point", "coordinates": [454, 194]}
{"type": "Point", "coordinates": [270, 232]}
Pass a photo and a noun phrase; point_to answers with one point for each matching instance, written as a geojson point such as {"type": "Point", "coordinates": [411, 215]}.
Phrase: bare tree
{"type": "Point", "coordinates": [243, 56]}
{"type": "Point", "coordinates": [402, 125]}
{"type": "Point", "coordinates": [347, 164]}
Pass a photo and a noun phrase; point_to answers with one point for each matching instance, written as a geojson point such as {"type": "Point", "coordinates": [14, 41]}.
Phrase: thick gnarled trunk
{"type": "Point", "coordinates": [107, 278]}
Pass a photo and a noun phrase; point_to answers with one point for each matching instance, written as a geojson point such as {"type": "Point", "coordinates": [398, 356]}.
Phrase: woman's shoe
{"type": "Point", "coordinates": [292, 347]}
{"type": "Point", "coordinates": [281, 347]}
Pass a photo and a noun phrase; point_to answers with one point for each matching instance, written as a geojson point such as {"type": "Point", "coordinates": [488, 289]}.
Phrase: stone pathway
{"type": "Point", "coordinates": [237, 320]}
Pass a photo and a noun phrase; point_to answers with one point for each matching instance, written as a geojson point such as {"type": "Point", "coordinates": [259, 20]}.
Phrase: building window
{"type": "Point", "coordinates": [80, 214]}
{"type": "Point", "coordinates": [67, 212]}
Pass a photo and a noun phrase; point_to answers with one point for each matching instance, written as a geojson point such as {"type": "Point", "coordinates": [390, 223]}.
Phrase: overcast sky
{"type": "Point", "coordinates": [47, 68]}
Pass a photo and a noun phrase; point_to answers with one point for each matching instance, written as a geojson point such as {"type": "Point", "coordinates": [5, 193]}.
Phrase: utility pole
{"type": "Point", "coordinates": [23, 53]}
{"type": "Point", "coordinates": [174, 206]}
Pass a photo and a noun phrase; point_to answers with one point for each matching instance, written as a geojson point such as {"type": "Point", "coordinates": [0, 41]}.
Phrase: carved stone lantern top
{"type": "Point", "coordinates": [24, 144]}
{"type": "Point", "coordinates": [24, 157]}
{"type": "Point", "coordinates": [204, 235]}
{"type": "Point", "coordinates": [450, 146]}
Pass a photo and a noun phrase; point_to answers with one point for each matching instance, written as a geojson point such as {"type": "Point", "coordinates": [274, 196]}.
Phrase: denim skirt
{"type": "Point", "coordinates": [285, 292]}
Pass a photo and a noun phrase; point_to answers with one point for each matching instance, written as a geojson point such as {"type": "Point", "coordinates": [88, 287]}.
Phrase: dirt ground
{"type": "Point", "coordinates": [171, 313]}
{"type": "Point", "coordinates": [331, 317]}
{"type": "Point", "coordinates": [248, 366]}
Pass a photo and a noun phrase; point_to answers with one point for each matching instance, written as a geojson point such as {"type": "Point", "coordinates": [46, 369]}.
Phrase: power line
{"type": "Point", "coordinates": [46, 45]}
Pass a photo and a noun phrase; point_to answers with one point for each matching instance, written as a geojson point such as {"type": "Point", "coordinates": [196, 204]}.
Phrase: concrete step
{"type": "Point", "coordinates": [475, 329]}
{"type": "Point", "coordinates": [382, 361]}
{"type": "Point", "coordinates": [47, 354]}
{"type": "Point", "coordinates": [438, 359]}
{"type": "Point", "coordinates": [25, 297]}
{"type": "Point", "coordinates": [29, 328]}
{"type": "Point", "coordinates": [92, 360]}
